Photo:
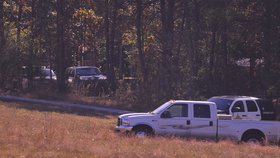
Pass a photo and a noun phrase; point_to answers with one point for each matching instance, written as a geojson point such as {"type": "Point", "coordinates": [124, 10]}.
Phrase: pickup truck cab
{"type": "Point", "coordinates": [196, 119]}
{"type": "Point", "coordinates": [244, 107]}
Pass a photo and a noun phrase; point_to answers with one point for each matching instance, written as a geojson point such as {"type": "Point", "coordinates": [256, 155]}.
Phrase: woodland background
{"type": "Point", "coordinates": [167, 49]}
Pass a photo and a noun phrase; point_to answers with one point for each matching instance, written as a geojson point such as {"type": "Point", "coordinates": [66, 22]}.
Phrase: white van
{"type": "Point", "coordinates": [244, 107]}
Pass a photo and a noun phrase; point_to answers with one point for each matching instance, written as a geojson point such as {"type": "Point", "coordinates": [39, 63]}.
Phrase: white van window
{"type": "Point", "coordinates": [251, 106]}
{"type": "Point", "coordinates": [238, 107]}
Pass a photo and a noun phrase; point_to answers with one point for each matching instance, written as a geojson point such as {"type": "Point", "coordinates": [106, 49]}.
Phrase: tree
{"type": "Point", "coordinates": [267, 28]}
{"type": "Point", "coordinates": [174, 48]}
{"type": "Point", "coordinates": [61, 66]}
{"type": "Point", "coordinates": [167, 22]}
{"type": "Point", "coordinates": [2, 37]}
{"type": "Point", "coordinates": [18, 22]}
{"type": "Point", "coordinates": [139, 12]}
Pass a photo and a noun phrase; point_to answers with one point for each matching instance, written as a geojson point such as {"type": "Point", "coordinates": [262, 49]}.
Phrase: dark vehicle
{"type": "Point", "coordinates": [267, 109]}
{"type": "Point", "coordinates": [39, 73]}
{"type": "Point", "coordinates": [41, 76]}
{"type": "Point", "coordinates": [87, 78]}
{"type": "Point", "coordinates": [45, 74]}
{"type": "Point", "coordinates": [245, 107]}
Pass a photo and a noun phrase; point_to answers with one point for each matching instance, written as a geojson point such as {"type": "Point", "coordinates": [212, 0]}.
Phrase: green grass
{"type": "Point", "coordinates": [26, 131]}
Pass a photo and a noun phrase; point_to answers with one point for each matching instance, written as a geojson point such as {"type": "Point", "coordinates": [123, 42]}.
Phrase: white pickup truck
{"type": "Point", "coordinates": [197, 119]}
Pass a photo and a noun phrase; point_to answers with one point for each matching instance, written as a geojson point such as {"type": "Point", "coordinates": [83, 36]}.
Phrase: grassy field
{"type": "Point", "coordinates": [45, 131]}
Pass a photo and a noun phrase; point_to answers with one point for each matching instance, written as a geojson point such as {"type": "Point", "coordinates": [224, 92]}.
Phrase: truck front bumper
{"type": "Point", "coordinates": [123, 129]}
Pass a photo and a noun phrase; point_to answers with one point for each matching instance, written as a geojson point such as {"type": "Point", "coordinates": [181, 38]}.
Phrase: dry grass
{"type": "Point", "coordinates": [40, 133]}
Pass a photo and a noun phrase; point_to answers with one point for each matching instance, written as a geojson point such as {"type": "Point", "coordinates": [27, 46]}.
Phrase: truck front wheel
{"type": "Point", "coordinates": [142, 131]}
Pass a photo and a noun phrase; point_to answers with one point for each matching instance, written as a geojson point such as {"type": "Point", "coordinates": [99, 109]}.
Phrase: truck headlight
{"type": "Point", "coordinates": [125, 122]}
{"type": "Point", "coordinates": [83, 78]}
{"type": "Point", "coordinates": [103, 78]}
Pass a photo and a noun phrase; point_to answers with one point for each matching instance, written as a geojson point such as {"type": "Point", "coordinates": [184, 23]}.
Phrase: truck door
{"type": "Point", "coordinates": [238, 111]}
{"type": "Point", "coordinates": [203, 125]}
{"type": "Point", "coordinates": [253, 110]}
{"type": "Point", "coordinates": [174, 121]}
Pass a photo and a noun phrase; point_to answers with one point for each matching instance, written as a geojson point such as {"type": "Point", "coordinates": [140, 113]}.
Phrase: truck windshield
{"type": "Point", "coordinates": [161, 108]}
{"type": "Point", "coordinates": [47, 72]}
{"type": "Point", "coordinates": [88, 71]}
{"type": "Point", "coordinates": [222, 104]}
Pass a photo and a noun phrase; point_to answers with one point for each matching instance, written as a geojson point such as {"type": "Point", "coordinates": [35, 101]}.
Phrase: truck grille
{"type": "Point", "coordinates": [119, 121]}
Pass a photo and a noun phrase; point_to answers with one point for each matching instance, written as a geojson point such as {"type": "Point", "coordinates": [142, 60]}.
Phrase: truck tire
{"type": "Point", "coordinates": [254, 138]}
{"type": "Point", "coordinates": [142, 131]}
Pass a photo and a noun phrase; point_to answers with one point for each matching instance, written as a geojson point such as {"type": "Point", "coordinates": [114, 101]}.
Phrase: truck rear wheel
{"type": "Point", "coordinates": [254, 137]}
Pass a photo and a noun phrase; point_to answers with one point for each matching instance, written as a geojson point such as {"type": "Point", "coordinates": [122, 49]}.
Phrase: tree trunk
{"type": "Point", "coordinates": [110, 36]}
{"type": "Point", "coordinates": [31, 47]}
{"type": "Point", "coordinates": [195, 36]}
{"type": "Point", "coordinates": [120, 53]}
{"type": "Point", "coordinates": [112, 45]}
{"type": "Point", "coordinates": [60, 46]}
{"type": "Point", "coordinates": [2, 37]}
{"type": "Point", "coordinates": [107, 36]}
{"type": "Point", "coordinates": [139, 12]}
{"type": "Point", "coordinates": [176, 61]}
{"type": "Point", "coordinates": [2, 41]}
{"type": "Point", "coordinates": [167, 19]}
{"type": "Point", "coordinates": [211, 61]}
{"type": "Point", "coordinates": [18, 25]}
{"type": "Point", "coordinates": [267, 27]}
{"type": "Point", "coordinates": [225, 60]}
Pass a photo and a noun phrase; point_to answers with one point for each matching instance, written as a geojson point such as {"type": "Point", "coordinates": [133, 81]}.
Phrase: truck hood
{"type": "Point", "coordinates": [136, 115]}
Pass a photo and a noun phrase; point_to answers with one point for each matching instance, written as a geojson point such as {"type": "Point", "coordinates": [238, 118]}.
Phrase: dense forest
{"type": "Point", "coordinates": [169, 49]}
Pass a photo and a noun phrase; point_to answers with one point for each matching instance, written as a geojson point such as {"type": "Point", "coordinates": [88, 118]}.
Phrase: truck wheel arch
{"type": "Point", "coordinates": [253, 133]}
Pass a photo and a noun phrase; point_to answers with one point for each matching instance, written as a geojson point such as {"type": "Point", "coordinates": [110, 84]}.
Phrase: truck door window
{"type": "Point", "coordinates": [251, 106]}
{"type": "Point", "coordinates": [201, 111]}
{"type": "Point", "coordinates": [178, 110]}
{"type": "Point", "coordinates": [238, 107]}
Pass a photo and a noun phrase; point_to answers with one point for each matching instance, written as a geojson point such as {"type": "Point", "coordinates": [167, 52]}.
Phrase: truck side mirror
{"type": "Point", "coordinates": [165, 114]}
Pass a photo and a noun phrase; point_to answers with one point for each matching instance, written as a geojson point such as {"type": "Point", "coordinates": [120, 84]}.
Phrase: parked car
{"type": "Point", "coordinates": [197, 119]}
{"type": "Point", "coordinates": [89, 78]}
{"type": "Point", "coordinates": [40, 76]}
{"type": "Point", "coordinates": [245, 107]}
{"type": "Point", "coordinates": [45, 74]}
{"type": "Point", "coordinates": [39, 72]}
